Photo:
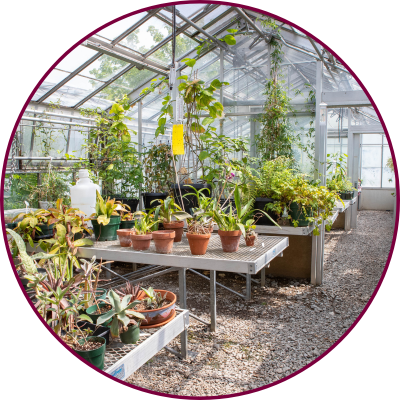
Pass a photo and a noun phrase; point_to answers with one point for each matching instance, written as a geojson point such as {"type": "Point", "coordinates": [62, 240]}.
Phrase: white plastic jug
{"type": "Point", "coordinates": [83, 194]}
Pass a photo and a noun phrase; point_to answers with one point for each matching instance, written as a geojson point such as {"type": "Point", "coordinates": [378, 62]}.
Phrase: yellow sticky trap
{"type": "Point", "coordinates": [177, 139]}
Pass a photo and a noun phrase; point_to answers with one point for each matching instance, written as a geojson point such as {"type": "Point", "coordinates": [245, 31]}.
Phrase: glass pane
{"type": "Point", "coordinates": [212, 15]}
{"type": "Point", "coordinates": [371, 177]}
{"type": "Point", "coordinates": [114, 30]}
{"type": "Point", "coordinates": [388, 177]}
{"type": "Point", "coordinates": [371, 156]}
{"type": "Point", "coordinates": [76, 58]}
{"type": "Point", "coordinates": [371, 139]}
{"type": "Point", "coordinates": [104, 68]}
{"type": "Point", "coordinates": [52, 79]}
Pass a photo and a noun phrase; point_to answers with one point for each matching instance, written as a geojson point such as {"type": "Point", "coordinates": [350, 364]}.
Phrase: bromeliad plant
{"type": "Point", "coordinates": [154, 300]}
{"type": "Point", "coordinates": [104, 210]}
{"type": "Point", "coordinates": [167, 210]}
{"type": "Point", "coordinates": [131, 290]}
{"type": "Point", "coordinates": [121, 314]}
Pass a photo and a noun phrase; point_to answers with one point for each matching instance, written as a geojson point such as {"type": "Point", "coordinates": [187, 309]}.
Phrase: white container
{"type": "Point", "coordinates": [83, 194]}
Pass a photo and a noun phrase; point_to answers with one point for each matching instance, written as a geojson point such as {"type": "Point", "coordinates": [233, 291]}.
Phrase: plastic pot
{"type": "Point", "coordinates": [198, 243]}
{"type": "Point", "coordinates": [106, 232]}
{"type": "Point", "coordinates": [95, 357]}
{"type": "Point", "coordinates": [189, 201]}
{"type": "Point", "coordinates": [260, 204]}
{"type": "Point", "coordinates": [47, 231]}
{"type": "Point", "coordinates": [250, 240]}
{"type": "Point", "coordinates": [97, 330]}
{"type": "Point", "coordinates": [100, 294]}
{"type": "Point", "coordinates": [132, 203]}
{"type": "Point", "coordinates": [141, 242]}
{"type": "Point", "coordinates": [124, 236]}
{"type": "Point", "coordinates": [177, 227]}
{"type": "Point", "coordinates": [230, 240]}
{"type": "Point", "coordinates": [131, 336]}
{"type": "Point", "coordinates": [126, 224]}
{"type": "Point", "coordinates": [159, 315]}
{"type": "Point", "coordinates": [346, 195]}
{"type": "Point", "coordinates": [12, 225]}
{"type": "Point", "coordinates": [297, 214]}
{"type": "Point", "coordinates": [92, 309]}
{"type": "Point", "coordinates": [164, 241]}
{"type": "Point", "coordinates": [149, 197]}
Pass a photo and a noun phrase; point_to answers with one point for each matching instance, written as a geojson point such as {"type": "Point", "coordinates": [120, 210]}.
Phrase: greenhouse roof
{"type": "Point", "coordinates": [124, 57]}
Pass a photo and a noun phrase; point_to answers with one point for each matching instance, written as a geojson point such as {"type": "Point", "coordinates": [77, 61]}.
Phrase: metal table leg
{"type": "Point", "coordinates": [213, 300]}
{"type": "Point", "coordinates": [263, 276]}
{"type": "Point", "coordinates": [248, 286]}
{"type": "Point", "coordinates": [182, 288]}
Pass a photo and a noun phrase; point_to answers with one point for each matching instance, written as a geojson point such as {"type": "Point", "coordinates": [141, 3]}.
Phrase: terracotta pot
{"type": "Point", "coordinates": [124, 236]}
{"type": "Point", "coordinates": [198, 243]}
{"type": "Point", "coordinates": [141, 242]}
{"type": "Point", "coordinates": [176, 226]}
{"type": "Point", "coordinates": [159, 315]}
{"type": "Point", "coordinates": [164, 241]}
{"type": "Point", "coordinates": [250, 240]}
{"type": "Point", "coordinates": [230, 240]}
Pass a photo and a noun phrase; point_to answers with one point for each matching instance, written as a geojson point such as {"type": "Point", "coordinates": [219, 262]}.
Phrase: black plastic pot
{"type": "Point", "coordinates": [132, 203]}
{"type": "Point", "coordinates": [226, 203]}
{"type": "Point", "coordinates": [149, 197]}
{"type": "Point", "coordinates": [191, 200]}
{"type": "Point", "coordinates": [47, 232]}
{"type": "Point", "coordinates": [346, 195]}
{"type": "Point", "coordinates": [12, 225]}
{"type": "Point", "coordinates": [98, 330]}
{"type": "Point", "coordinates": [259, 204]}
{"type": "Point", "coordinates": [297, 214]}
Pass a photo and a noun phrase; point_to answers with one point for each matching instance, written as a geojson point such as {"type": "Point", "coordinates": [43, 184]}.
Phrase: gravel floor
{"type": "Point", "coordinates": [285, 326]}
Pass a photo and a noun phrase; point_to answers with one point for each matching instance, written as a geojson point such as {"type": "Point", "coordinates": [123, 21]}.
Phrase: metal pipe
{"type": "Point", "coordinates": [59, 115]}
{"type": "Point", "coordinates": [51, 121]}
{"type": "Point", "coordinates": [249, 21]}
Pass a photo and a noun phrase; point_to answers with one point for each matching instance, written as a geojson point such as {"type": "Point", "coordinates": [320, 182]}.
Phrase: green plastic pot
{"type": "Point", "coordinates": [297, 214]}
{"type": "Point", "coordinates": [106, 232]}
{"type": "Point", "coordinates": [47, 230]}
{"type": "Point", "coordinates": [95, 357]}
{"type": "Point", "coordinates": [131, 336]}
{"type": "Point", "coordinates": [92, 309]}
{"type": "Point", "coordinates": [126, 224]}
{"type": "Point", "coordinates": [12, 225]}
{"type": "Point", "coordinates": [101, 294]}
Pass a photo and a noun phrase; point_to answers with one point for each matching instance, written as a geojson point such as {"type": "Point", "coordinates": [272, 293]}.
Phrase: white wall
{"type": "Point", "coordinates": [377, 199]}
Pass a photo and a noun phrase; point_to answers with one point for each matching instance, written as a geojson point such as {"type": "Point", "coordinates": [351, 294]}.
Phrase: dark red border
{"type": "Point", "coordinates": [354, 76]}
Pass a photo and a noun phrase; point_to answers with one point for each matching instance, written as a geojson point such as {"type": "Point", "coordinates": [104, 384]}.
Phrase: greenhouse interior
{"type": "Point", "coordinates": [201, 187]}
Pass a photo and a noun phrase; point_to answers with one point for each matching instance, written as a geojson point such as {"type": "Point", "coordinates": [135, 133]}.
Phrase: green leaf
{"type": "Point", "coordinates": [83, 242]}
{"type": "Point", "coordinates": [182, 77]}
{"type": "Point", "coordinates": [218, 106]}
{"type": "Point", "coordinates": [102, 219]}
{"type": "Point", "coordinates": [208, 121]}
{"type": "Point", "coordinates": [190, 62]}
{"type": "Point", "coordinates": [114, 328]}
{"type": "Point", "coordinates": [216, 83]}
{"type": "Point", "coordinates": [105, 317]}
{"type": "Point", "coordinates": [229, 39]}
{"type": "Point", "coordinates": [126, 137]}
{"type": "Point", "coordinates": [85, 317]}
{"type": "Point", "coordinates": [232, 30]}
{"type": "Point", "coordinates": [116, 108]}
{"type": "Point", "coordinates": [203, 155]}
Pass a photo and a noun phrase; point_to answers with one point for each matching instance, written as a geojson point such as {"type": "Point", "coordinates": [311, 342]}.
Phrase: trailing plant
{"type": "Point", "coordinates": [112, 156]}
{"type": "Point", "coordinates": [158, 168]}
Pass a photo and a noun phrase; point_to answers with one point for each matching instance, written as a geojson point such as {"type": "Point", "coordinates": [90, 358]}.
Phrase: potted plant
{"type": "Point", "coordinates": [105, 220]}
{"type": "Point", "coordinates": [124, 321]}
{"type": "Point", "coordinates": [337, 176]}
{"type": "Point", "coordinates": [251, 235]}
{"type": "Point", "coordinates": [200, 226]}
{"type": "Point", "coordinates": [167, 210]}
{"type": "Point", "coordinates": [159, 173]}
{"type": "Point", "coordinates": [157, 306]}
{"type": "Point", "coordinates": [163, 241]}
{"type": "Point", "coordinates": [127, 216]}
{"type": "Point", "coordinates": [141, 233]}
{"type": "Point", "coordinates": [92, 349]}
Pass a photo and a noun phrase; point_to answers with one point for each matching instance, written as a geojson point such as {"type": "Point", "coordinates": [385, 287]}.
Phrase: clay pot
{"type": "Point", "coordinates": [164, 241]}
{"type": "Point", "coordinates": [230, 240]}
{"type": "Point", "coordinates": [141, 242]}
{"type": "Point", "coordinates": [198, 243]}
{"type": "Point", "coordinates": [176, 226]}
{"type": "Point", "coordinates": [159, 315]}
{"type": "Point", "coordinates": [124, 236]}
{"type": "Point", "coordinates": [250, 240]}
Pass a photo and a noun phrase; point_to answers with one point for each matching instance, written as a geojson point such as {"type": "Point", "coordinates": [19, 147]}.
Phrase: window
{"type": "Point", "coordinates": [375, 153]}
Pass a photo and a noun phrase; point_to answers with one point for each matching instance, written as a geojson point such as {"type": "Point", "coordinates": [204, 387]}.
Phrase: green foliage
{"type": "Point", "coordinates": [143, 224]}
{"type": "Point", "coordinates": [168, 209]}
{"type": "Point", "coordinates": [112, 155]}
{"type": "Point", "coordinates": [337, 179]}
{"type": "Point", "coordinates": [154, 299]}
{"type": "Point", "coordinates": [200, 223]}
{"type": "Point", "coordinates": [121, 313]}
{"type": "Point", "coordinates": [104, 210]}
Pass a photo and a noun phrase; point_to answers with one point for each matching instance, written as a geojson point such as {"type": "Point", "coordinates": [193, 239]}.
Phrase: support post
{"type": "Point", "coordinates": [221, 90]}
{"type": "Point", "coordinates": [140, 145]}
{"type": "Point", "coordinates": [248, 287]}
{"type": "Point", "coordinates": [263, 276]}
{"type": "Point", "coordinates": [182, 288]}
{"type": "Point", "coordinates": [213, 300]}
{"type": "Point", "coordinates": [184, 340]}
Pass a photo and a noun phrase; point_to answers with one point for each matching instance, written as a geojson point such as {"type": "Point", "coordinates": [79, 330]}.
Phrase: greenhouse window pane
{"type": "Point", "coordinates": [76, 58]}
{"type": "Point", "coordinates": [371, 177]}
{"type": "Point", "coordinates": [212, 15]}
{"type": "Point", "coordinates": [372, 156]}
{"type": "Point", "coordinates": [114, 30]}
{"type": "Point", "coordinates": [52, 80]}
{"type": "Point", "coordinates": [371, 139]}
{"type": "Point", "coordinates": [388, 178]}
{"type": "Point", "coordinates": [104, 68]}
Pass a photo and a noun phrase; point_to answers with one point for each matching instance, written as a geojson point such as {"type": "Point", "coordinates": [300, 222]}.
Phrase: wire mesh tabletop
{"type": "Point", "coordinates": [246, 259]}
